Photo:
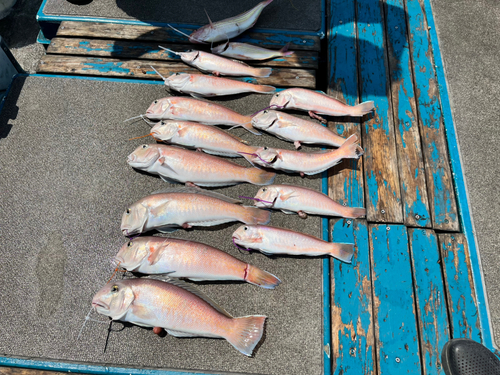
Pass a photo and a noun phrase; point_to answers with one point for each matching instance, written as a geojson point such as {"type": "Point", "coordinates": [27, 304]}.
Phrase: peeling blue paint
{"type": "Point", "coordinates": [105, 67]}
{"type": "Point", "coordinates": [372, 186]}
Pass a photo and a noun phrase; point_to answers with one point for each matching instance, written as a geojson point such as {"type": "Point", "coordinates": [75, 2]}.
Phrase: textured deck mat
{"type": "Point", "coordinates": [279, 15]}
{"type": "Point", "coordinates": [64, 185]}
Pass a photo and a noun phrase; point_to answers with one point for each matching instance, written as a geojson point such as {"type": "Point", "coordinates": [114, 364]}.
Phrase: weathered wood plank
{"type": "Point", "coordinates": [430, 297]}
{"type": "Point", "coordinates": [410, 159]}
{"type": "Point", "coordinates": [142, 69]}
{"type": "Point", "coordinates": [383, 195]}
{"type": "Point", "coordinates": [353, 350]}
{"type": "Point", "coordinates": [167, 35]}
{"type": "Point", "coordinates": [345, 179]}
{"type": "Point", "coordinates": [459, 284]}
{"type": "Point", "coordinates": [437, 166]}
{"type": "Point", "coordinates": [394, 309]}
{"type": "Point", "coordinates": [125, 49]}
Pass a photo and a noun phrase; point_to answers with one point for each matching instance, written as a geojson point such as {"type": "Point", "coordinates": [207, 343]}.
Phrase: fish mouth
{"type": "Point", "coordinates": [100, 305]}
{"type": "Point", "coordinates": [131, 158]}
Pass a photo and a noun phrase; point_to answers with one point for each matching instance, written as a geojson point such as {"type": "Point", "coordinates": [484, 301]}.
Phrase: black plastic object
{"type": "Point", "coordinates": [79, 2]}
{"type": "Point", "coordinates": [467, 357]}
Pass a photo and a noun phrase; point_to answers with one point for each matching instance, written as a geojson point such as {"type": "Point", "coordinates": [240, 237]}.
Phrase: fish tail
{"type": "Point", "coordinates": [264, 279]}
{"type": "Point", "coordinates": [362, 109]}
{"type": "Point", "coordinates": [354, 212]}
{"type": "Point", "coordinates": [284, 51]}
{"type": "Point", "coordinates": [258, 176]}
{"type": "Point", "coordinates": [248, 126]}
{"type": "Point", "coordinates": [253, 216]}
{"type": "Point", "coordinates": [342, 251]}
{"type": "Point", "coordinates": [246, 333]}
{"type": "Point", "coordinates": [265, 89]}
{"type": "Point", "coordinates": [350, 149]}
{"type": "Point", "coordinates": [263, 72]}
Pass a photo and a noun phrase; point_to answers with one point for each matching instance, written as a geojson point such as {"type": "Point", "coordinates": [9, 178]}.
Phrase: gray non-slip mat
{"type": "Point", "coordinates": [65, 184]}
{"type": "Point", "coordinates": [279, 15]}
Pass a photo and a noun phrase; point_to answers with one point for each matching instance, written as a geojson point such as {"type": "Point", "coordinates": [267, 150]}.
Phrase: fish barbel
{"type": "Point", "coordinates": [210, 139]}
{"type": "Point", "coordinates": [290, 199]}
{"type": "Point", "coordinates": [188, 109]}
{"type": "Point", "coordinates": [186, 207]}
{"type": "Point", "coordinates": [318, 104]}
{"type": "Point", "coordinates": [202, 85]}
{"type": "Point", "coordinates": [154, 303]}
{"type": "Point", "coordinates": [189, 259]}
{"type": "Point", "coordinates": [245, 51]}
{"type": "Point", "coordinates": [307, 163]}
{"type": "Point", "coordinates": [295, 129]}
{"type": "Point", "coordinates": [218, 65]}
{"type": "Point", "coordinates": [228, 28]}
{"type": "Point", "coordinates": [271, 240]}
{"type": "Point", "coordinates": [190, 167]}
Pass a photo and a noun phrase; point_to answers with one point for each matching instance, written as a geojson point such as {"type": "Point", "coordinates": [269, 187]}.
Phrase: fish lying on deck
{"type": "Point", "coordinates": [245, 51]}
{"type": "Point", "coordinates": [188, 259]}
{"type": "Point", "coordinates": [190, 167]}
{"type": "Point", "coordinates": [271, 241]}
{"type": "Point", "coordinates": [186, 207]}
{"type": "Point", "coordinates": [295, 129]}
{"type": "Point", "coordinates": [182, 313]}
{"type": "Point", "coordinates": [317, 103]}
{"type": "Point", "coordinates": [290, 199]}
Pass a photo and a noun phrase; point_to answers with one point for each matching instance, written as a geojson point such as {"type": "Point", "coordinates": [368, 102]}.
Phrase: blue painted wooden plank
{"type": "Point", "coordinates": [431, 298]}
{"type": "Point", "coordinates": [383, 194]}
{"type": "Point", "coordinates": [459, 284]}
{"type": "Point", "coordinates": [346, 179]}
{"type": "Point", "coordinates": [437, 164]}
{"type": "Point", "coordinates": [394, 309]}
{"type": "Point", "coordinates": [353, 346]}
{"type": "Point", "coordinates": [410, 159]}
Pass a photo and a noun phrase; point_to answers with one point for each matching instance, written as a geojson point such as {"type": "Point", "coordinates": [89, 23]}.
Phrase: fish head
{"type": "Point", "coordinates": [177, 80]}
{"type": "Point", "coordinates": [266, 156]}
{"type": "Point", "coordinates": [265, 119]}
{"type": "Point", "coordinates": [134, 218]}
{"type": "Point", "coordinates": [165, 130]}
{"type": "Point", "coordinates": [190, 57]}
{"type": "Point", "coordinates": [202, 35]}
{"type": "Point", "coordinates": [158, 108]}
{"type": "Point", "coordinates": [246, 235]}
{"type": "Point", "coordinates": [114, 299]}
{"type": "Point", "coordinates": [266, 196]}
{"type": "Point", "coordinates": [132, 254]}
{"type": "Point", "coordinates": [144, 156]}
{"type": "Point", "coordinates": [281, 99]}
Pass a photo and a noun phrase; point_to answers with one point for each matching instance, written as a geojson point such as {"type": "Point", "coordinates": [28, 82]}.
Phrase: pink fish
{"type": "Point", "coordinates": [307, 163]}
{"type": "Point", "coordinates": [190, 167]}
{"type": "Point", "coordinates": [290, 199]}
{"type": "Point", "coordinates": [154, 303]}
{"type": "Point", "coordinates": [186, 207]}
{"type": "Point", "coordinates": [218, 65]}
{"type": "Point", "coordinates": [271, 240]}
{"type": "Point", "coordinates": [189, 259]}
{"type": "Point", "coordinates": [187, 109]}
{"type": "Point", "coordinates": [318, 104]}
{"type": "Point", "coordinates": [205, 86]}
{"type": "Point", "coordinates": [295, 129]}
{"type": "Point", "coordinates": [245, 51]}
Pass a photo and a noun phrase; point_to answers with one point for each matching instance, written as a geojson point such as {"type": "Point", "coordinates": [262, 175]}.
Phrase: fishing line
{"type": "Point", "coordinates": [274, 106]}
{"type": "Point", "coordinates": [246, 153]}
{"type": "Point", "coordinates": [256, 199]}
{"type": "Point", "coordinates": [239, 247]}
{"type": "Point", "coordinates": [189, 37]}
{"type": "Point", "coordinates": [158, 73]}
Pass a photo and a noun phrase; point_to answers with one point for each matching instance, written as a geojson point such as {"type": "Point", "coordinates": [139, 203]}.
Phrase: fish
{"type": "Point", "coordinates": [209, 139]}
{"type": "Point", "coordinates": [194, 168]}
{"type": "Point", "coordinates": [218, 65]}
{"type": "Point", "coordinates": [199, 85]}
{"type": "Point", "coordinates": [179, 310]}
{"type": "Point", "coordinates": [317, 103]}
{"type": "Point", "coordinates": [230, 27]}
{"type": "Point", "coordinates": [290, 199]}
{"type": "Point", "coordinates": [186, 207]}
{"type": "Point", "coordinates": [245, 51]}
{"type": "Point", "coordinates": [307, 163]}
{"type": "Point", "coordinates": [295, 129]}
{"type": "Point", "coordinates": [275, 241]}
{"type": "Point", "coordinates": [189, 259]}
{"type": "Point", "coordinates": [188, 109]}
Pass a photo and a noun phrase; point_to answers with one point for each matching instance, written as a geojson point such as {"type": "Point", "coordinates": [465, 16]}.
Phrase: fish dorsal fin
{"type": "Point", "coordinates": [190, 288]}
{"type": "Point", "coordinates": [235, 137]}
{"type": "Point", "coordinates": [209, 20]}
{"type": "Point", "coordinates": [195, 190]}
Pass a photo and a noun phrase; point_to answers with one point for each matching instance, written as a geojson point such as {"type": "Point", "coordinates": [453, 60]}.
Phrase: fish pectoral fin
{"type": "Point", "coordinates": [144, 313]}
{"type": "Point", "coordinates": [179, 333]}
{"type": "Point", "coordinates": [155, 256]}
{"type": "Point", "coordinates": [284, 197]}
{"type": "Point", "coordinates": [167, 229]}
{"type": "Point", "coordinates": [287, 212]}
{"type": "Point", "coordinates": [255, 240]}
{"type": "Point", "coordinates": [169, 180]}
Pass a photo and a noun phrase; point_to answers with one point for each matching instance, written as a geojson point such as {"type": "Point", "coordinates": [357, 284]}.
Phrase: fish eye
{"type": "Point", "coordinates": [177, 74]}
{"type": "Point", "coordinates": [266, 111]}
{"type": "Point", "coordinates": [155, 102]}
{"type": "Point", "coordinates": [246, 228]}
{"type": "Point", "coordinates": [114, 289]}
{"type": "Point", "coordinates": [144, 146]}
{"type": "Point", "coordinates": [265, 148]}
{"type": "Point", "coordinates": [277, 95]}
{"type": "Point", "coordinates": [128, 211]}
{"type": "Point", "coordinates": [129, 244]}
{"type": "Point", "coordinates": [265, 189]}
